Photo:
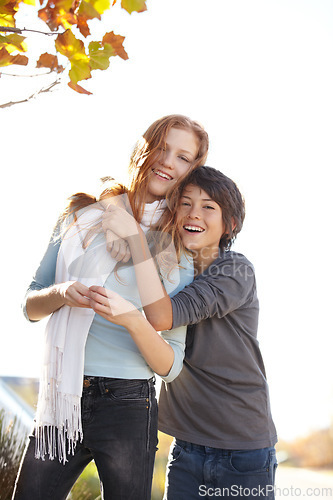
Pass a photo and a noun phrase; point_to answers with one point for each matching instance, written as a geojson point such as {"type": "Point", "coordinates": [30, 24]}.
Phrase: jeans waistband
{"type": "Point", "coordinates": [93, 382]}
{"type": "Point", "coordinates": [189, 447]}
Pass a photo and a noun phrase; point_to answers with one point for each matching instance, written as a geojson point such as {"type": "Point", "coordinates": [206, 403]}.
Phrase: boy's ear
{"type": "Point", "coordinates": [234, 224]}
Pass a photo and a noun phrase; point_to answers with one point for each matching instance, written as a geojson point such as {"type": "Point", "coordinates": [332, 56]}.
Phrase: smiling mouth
{"type": "Point", "coordinates": [163, 175]}
{"type": "Point", "coordinates": [193, 229]}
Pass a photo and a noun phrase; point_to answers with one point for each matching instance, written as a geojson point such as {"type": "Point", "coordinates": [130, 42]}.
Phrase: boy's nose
{"type": "Point", "coordinates": [193, 213]}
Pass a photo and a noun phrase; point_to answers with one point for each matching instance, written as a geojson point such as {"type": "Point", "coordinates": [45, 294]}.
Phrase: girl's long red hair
{"type": "Point", "coordinates": [142, 158]}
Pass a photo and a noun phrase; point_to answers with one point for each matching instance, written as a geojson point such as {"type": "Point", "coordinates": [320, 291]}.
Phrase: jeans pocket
{"type": "Point", "coordinates": [128, 391]}
{"type": "Point", "coordinates": [176, 453]}
{"type": "Point", "coordinates": [249, 461]}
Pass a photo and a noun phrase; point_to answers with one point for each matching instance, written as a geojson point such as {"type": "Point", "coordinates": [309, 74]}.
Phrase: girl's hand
{"type": "Point", "coordinates": [74, 294]}
{"type": "Point", "coordinates": [119, 221]}
{"type": "Point", "coordinates": [111, 306]}
{"type": "Point", "coordinates": [117, 247]}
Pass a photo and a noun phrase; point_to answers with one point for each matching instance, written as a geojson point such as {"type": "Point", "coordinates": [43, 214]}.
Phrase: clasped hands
{"type": "Point", "coordinates": [104, 302]}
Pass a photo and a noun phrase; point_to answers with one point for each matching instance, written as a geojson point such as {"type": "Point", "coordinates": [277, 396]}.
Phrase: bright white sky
{"type": "Point", "coordinates": [259, 75]}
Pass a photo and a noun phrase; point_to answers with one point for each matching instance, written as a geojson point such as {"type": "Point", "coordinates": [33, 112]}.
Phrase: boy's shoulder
{"type": "Point", "coordinates": [233, 265]}
{"type": "Point", "coordinates": [230, 256]}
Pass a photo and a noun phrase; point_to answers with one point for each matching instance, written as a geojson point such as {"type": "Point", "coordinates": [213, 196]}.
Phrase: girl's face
{"type": "Point", "coordinates": [173, 163]}
{"type": "Point", "coordinates": [200, 225]}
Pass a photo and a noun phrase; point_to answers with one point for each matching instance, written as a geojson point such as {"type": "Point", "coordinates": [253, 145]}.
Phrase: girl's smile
{"type": "Point", "coordinates": [174, 160]}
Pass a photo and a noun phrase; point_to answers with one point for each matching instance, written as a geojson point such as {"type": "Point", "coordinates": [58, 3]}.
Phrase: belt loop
{"type": "Point", "coordinates": [101, 385]}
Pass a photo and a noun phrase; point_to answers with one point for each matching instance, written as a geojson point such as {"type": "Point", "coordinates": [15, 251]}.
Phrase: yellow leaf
{"type": "Point", "coordinates": [68, 45]}
{"type": "Point", "coordinates": [80, 69]}
{"type": "Point", "coordinates": [134, 5]}
{"type": "Point", "coordinates": [13, 42]}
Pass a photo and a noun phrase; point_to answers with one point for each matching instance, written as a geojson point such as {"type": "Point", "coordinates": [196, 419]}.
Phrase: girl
{"type": "Point", "coordinates": [93, 369]}
{"type": "Point", "coordinates": [218, 407]}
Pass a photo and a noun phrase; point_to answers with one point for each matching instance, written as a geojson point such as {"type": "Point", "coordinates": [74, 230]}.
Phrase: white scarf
{"type": "Point", "coordinates": [61, 382]}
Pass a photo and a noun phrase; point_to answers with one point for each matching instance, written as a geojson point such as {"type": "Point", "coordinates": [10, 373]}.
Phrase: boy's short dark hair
{"type": "Point", "coordinates": [226, 194]}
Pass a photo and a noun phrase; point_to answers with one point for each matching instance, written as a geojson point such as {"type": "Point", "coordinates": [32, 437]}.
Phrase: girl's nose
{"type": "Point", "coordinates": [167, 160]}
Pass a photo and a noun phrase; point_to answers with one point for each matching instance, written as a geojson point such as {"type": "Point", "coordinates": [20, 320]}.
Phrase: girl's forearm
{"type": "Point", "coordinates": [42, 303]}
{"type": "Point", "coordinates": [156, 303]}
{"type": "Point", "coordinates": [156, 351]}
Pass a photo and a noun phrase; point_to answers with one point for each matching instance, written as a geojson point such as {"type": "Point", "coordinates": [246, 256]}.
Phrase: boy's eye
{"type": "Point", "coordinates": [209, 206]}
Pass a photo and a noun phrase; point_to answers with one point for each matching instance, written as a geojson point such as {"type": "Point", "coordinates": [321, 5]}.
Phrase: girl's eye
{"type": "Point", "coordinates": [184, 159]}
{"type": "Point", "coordinates": [184, 204]}
{"type": "Point", "coordinates": [209, 206]}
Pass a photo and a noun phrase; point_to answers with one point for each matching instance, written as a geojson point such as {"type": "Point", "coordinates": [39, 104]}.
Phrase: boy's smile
{"type": "Point", "coordinates": [200, 224]}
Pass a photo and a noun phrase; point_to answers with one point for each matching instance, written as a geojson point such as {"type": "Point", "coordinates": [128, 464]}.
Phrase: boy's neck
{"type": "Point", "coordinates": [201, 261]}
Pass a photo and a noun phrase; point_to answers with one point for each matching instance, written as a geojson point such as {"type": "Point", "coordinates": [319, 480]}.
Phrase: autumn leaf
{"type": "Point", "coordinates": [83, 56]}
{"type": "Point", "coordinates": [74, 50]}
{"type": "Point", "coordinates": [80, 69]}
{"type": "Point", "coordinates": [68, 45]}
{"type": "Point", "coordinates": [116, 42]}
{"type": "Point", "coordinates": [58, 13]}
{"type": "Point", "coordinates": [13, 42]}
{"type": "Point", "coordinates": [49, 61]}
{"type": "Point", "coordinates": [6, 59]}
{"type": "Point", "coordinates": [134, 5]}
{"type": "Point", "coordinates": [8, 10]}
{"type": "Point", "coordinates": [78, 88]}
{"type": "Point", "coordinates": [99, 56]}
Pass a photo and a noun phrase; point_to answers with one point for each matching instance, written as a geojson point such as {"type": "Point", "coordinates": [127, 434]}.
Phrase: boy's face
{"type": "Point", "coordinates": [200, 222]}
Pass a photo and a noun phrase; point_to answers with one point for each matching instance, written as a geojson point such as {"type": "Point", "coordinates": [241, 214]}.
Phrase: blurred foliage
{"type": "Point", "coordinates": [313, 450]}
{"type": "Point", "coordinates": [164, 443]}
{"type": "Point", "coordinates": [12, 444]}
{"type": "Point", "coordinates": [87, 486]}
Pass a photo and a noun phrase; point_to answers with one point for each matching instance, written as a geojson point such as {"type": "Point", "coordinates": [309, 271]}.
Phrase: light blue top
{"type": "Point", "coordinates": [110, 350]}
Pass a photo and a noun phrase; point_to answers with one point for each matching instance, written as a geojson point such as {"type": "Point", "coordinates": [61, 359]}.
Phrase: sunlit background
{"type": "Point", "coordinates": [259, 76]}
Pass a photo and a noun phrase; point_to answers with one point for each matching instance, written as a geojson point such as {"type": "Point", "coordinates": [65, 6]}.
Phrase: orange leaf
{"type": "Point", "coordinates": [58, 13]}
{"type": "Point", "coordinates": [78, 88]}
{"type": "Point", "coordinates": [116, 42]}
{"type": "Point", "coordinates": [6, 59]}
{"type": "Point", "coordinates": [49, 61]}
{"type": "Point", "coordinates": [83, 26]}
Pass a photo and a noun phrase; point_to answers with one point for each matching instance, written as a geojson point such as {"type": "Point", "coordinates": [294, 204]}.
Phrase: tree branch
{"type": "Point", "coordinates": [41, 91]}
{"type": "Point", "coordinates": [20, 30]}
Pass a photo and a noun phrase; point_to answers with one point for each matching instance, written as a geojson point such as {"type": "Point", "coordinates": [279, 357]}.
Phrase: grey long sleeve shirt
{"type": "Point", "coordinates": [220, 399]}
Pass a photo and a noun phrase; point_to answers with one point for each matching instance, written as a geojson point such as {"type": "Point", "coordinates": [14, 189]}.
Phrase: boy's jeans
{"type": "Point", "coordinates": [196, 472]}
{"type": "Point", "coordinates": [119, 419]}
